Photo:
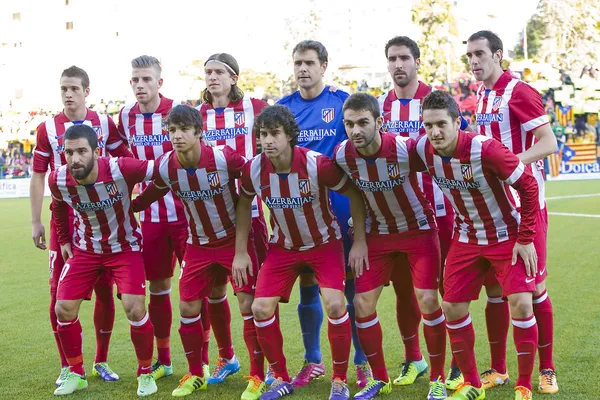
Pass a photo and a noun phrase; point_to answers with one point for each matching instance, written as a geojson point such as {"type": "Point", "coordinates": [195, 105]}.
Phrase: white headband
{"type": "Point", "coordinates": [231, 71]}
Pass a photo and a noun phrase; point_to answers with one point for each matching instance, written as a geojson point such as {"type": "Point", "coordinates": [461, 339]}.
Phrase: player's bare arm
{"type": "Point", "coordinates": [545, 145]}
{"type": "Point", "coordinates": [36, 200]}
{"type": "Point", "coordinates": [242, 264]}
{"type": "Point", "coordinates": [358, 257]}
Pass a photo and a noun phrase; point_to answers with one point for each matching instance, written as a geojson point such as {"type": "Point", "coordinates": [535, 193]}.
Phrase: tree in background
{"type": "Point", "coordinates": [265, 85]}
{"type": "Point", "coordinates": [536, 30]}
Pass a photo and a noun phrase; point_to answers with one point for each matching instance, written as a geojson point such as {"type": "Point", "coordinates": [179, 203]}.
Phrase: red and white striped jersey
{"type": "Point", "coordinates": [104, 220]}
{"type": "Point", "coordinates": [207, 192]}
{"type": "Point", "coordinates": [391, 191]}
{"type": "Point", "coordinates": [149, 139]}
{"type": "Point", "coordinates": [233, 126]}
{"type": "Point", "coordinates": [510, 112]}
{"type": "Point", "coordinates": [49, 146]}
{"type": "Point", "coordinates": [301, 215]}
{"type": "Point", "coordinates": [474, 180]}
{"type": "Point", "coordinates": [404, 117]}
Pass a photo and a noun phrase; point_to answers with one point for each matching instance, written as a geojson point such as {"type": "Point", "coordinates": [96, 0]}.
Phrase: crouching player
{"type": "Point", "coordinates": [106, 237]}
{"type": "Point", "coordinates": [473, 171]}
{"type": "Point", "coordinates": [203, 177]}
{"type": "Point", "coordinates": [294, 183]}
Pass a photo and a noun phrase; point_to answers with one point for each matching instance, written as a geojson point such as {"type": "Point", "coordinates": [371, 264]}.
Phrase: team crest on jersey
{"type": "Point", "coordinates": [164, 125]}
{"type": "Point", "coordinates": [239, 118]}
{"type": "Point", "coordinates": [393, 170]}
{"type": "Point", "coordinates": [327, 114]}
{"type": "Point", "coordinates": [111, 189]}
{"type": "Point", "coordinates": [467, 171]}
{"type": "Point", "coordinates": [496, 104]}
{"type": "Point", "coordinates": [304, 186]}
{"type": "Point", "coordinates": [213, 179]}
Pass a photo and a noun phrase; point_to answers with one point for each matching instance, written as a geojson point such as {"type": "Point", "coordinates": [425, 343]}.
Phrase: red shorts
{"type": "Point", "coordinates": [539, 241]}
{"type": "Point", "coordinates": [467, 266]}
{"type": "Point", "coordinates": [418, 252]}
{"type": "Point", "coordinates": [56, 262]}
{"type": "Point", "coordinates": [282, 266]}
{"type": "Point", "coordinates": [164, 244]}
{"type": "Point", "coordinates": [205, 267]}
{"type": "Point", "coordinates": [261, 237]}
{"type": "Point", "coordinates": [82, 271]}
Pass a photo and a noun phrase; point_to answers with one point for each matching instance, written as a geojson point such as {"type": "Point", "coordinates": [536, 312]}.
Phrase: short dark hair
{"type": "Point", "coordinates": [404, 41]}
{"type": "Point", "coordinates": [362, 101]}
{"type": "Point", "coordinates": [236, 94]}
{"type": "Point", "coordinates": [183, 114]}
{"type": "Point", "coordinates": [312, 45]}
{"type": "Point", "coordinates": [441, 100]}
{"type": "Point", "coordinates": [278, 116]}
{"type": "Point", "coordinates": [494, 41]}
{"type": "Point", "coordinates": [76, 72]}
{"type": "Point", "coordinates": [82, 131]}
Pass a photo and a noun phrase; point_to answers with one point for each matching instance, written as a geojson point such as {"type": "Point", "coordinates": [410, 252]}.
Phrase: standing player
{"type": "Point", "coordinates": [318, 112]}
{"type": "Point", "coordinates": [163, 224]}
{"type": "Point", "coordinates": [228, 118]}
{"type": "Point", "coordinates": [489, 233]}
{"type": "Point", "coordinates": [401, 233]}
{"type": "Point", "coordinates": [203, 177]}
{"type": "Point", "coordinates": [294, 183]}
{"type": "Point", "coordinates": [106, 237]}
{"type": "Point", "coordinates": [401, 111]}
{"type": "Point", "coordinates": [511, 111]}
{"type": "Point", "coordinates": [49, 152]}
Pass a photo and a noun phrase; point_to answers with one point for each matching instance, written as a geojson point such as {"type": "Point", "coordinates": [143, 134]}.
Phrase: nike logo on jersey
{"type": "Point", "coordinates": [263, 187]}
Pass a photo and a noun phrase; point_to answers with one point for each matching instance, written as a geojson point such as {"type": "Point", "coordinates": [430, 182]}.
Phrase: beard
{"type": "Point", "coordinates": [81, 173]}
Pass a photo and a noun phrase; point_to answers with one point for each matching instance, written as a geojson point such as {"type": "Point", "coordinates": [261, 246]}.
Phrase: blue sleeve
{"type": "Point", "coordinates": [463, 123]}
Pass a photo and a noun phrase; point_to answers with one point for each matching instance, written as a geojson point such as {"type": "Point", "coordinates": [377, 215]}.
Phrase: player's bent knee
{"type": "Point", "coordinates": [65, 310]}
{"type": "Point", "coordinates": [190, 309]}
{"type": "Point", "coordinates": [521, 304]}
{"type": "Point", "coordinates": [363, 305]}
{"type": "Point", "coordinates": [335, 306]}
{"type": "Point", "coordinates": [218, 292]}
{"type": "Point", "coordinates": [263, 309]}
{"type": "Point", "coordinates": [160, 285]}
{"type": "Point", "coordinates": [134, 307]}
{"type": "Point", "coordinates": [540, 288]}
{"type": "Point", "coordinates": [428, 301]}
{"type": "Point", "coordinates": [454, 311]}
{"type": "Point", "coordinates": [245, 301]}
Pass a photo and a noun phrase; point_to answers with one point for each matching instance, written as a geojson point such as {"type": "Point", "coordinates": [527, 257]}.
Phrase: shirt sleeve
{"type": "Point", "coordinates": [136, 171]}
{"type": "Point", "coordinates": [42, 151]}
{"type": "Point", "coordinates": [247, 186]}
{"type": "Point", "coordinates": [331, 175]}
{"type": "Point", "coordinates": [116, 145]}
{"type": "Point", "coordinates": [502, 163]}
{"type": "Point", "coordinates": [526, 105]}
{"type": "Point", "coordinates": [60, 211]}
{"type": "Point", "coordinates": [121, 126]}
{"type": "Point", "coordinates": [235, 162]}
{"type": "Point", "coordinates": [415, 162]}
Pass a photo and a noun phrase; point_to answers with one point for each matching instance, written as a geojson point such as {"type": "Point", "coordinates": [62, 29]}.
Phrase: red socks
{"type": "Point", "coordinates": [371, 340]}
{"type": "Point", "coordinates": [525, 333]}
{"type": "Point", "coordinates": [434, 330]}
{"type": "Point", "coordinates": [408, 316]}
{"type": "Point", "coordinates": [54, 324]}
{"type": "Point", "coordinates": [161, 315]}
{"type": "Point", "coordinates": [339, 332]}
{"type": "Point", "coordinates": [142, 339]}
{"type": "Point", "coordinates": [497, 317]}
{"type": "Point", "coordinates": [542, 309]}
{"type": "Point", "coordinates": [192, 337]}
{"type": "Point", "coordinates": [71, 339]}
{"type": "Point", "coordinates": [271, 343]}
{"type": "Point", "coordinates": [257, 359]}
{"type": "Point", "coordinates": [220, 320]}
{"type": "Point", "coordinates": [104, 318]}
{"type": "Point", "coordinates": [462, 342]}
{"type": "Point", "coordinates": [206, 326]}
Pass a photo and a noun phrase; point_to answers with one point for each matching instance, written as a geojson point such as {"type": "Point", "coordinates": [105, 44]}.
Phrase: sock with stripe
{"type": "Point", "coordinates": [104, 319]}
{"type": "Point", "coordinates": [219, 314]}
{"type": "Point", "coordinates": [142, 338]}
{"type": "Point", "coordinates": [525, 333]}
{"type": "Point", "coordinates": [192, 338]}
{"type": "Point", "coordinates": [462, 342]}
{"type": "Point", "coordinates": [310, 314]}
{"type": "Point", "coordinates": [71, 338]}
{"type": "Point", "coordinates": [371, 339]}
{"type": "Point", "coordinates": [256, 356]}
{"type": "Point", "coordinates": [206, 326]}
{"type": "Point", "coordinates": [497, 318]}
{"type": "Point", "coordinates": [161, 316]}
{"type": "Point", "coordinates": [349, 292]}
{"type": "Point", "coordinates": [54, 324]}
{"type": "Point", "coordinates": [339, 332]}
{"type": "Point", "coordinates": [408, 317]}
{"type": "Point", "coordinates": [271, 343]}
{"type": "Point", "coordinates": [544, 315]}
{"type": "Point", "coordinates": [434, 330]}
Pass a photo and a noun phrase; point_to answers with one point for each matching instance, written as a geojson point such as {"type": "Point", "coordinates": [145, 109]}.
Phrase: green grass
{"type": "Point", "coordinates": [29, 363]}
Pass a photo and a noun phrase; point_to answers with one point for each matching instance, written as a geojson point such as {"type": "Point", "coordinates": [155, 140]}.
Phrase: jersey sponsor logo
{"type": "Point", "coordinates": [111, 189]}
{"type": "Point", "coordinates": [288, 202]}
{"type": "Point", "coordinates": [213, 179]}
{"type": "Point", "coordinates": [226, 133]}
{"type": "Point", "coordinates": [379, 186]}
{"type": "Point", "coordinates": [309, 135]}
{"type": "Point", "coordinates": [327, 114]}
{"type": "Point", "coordinates": [403, 126]}
{"type": "Point", "coordinates": [488, 118]}
{"type": "Point", "coordinates": [446, 183]}
{"type": "Point", "coordinates": [239, 118]}
{"type": "Point", "coordinates": [196, 195]}
{"type": "Point", "coordinates": [148, 140]}
{"type": "Point", "coordinates": [393, 170]}
{"type": "Point", "coordinates": [304, 186]}
{"type": "Point", "coordinates": [467, 172]}
{"type": "Point", "coordinates": [98, 205]}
